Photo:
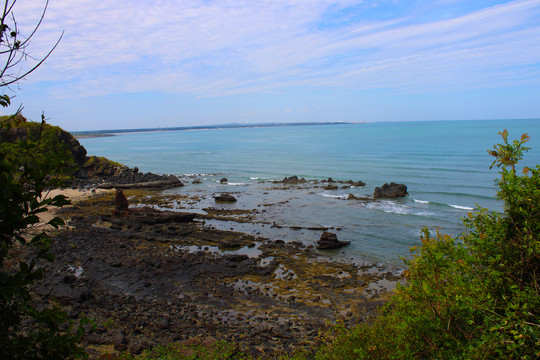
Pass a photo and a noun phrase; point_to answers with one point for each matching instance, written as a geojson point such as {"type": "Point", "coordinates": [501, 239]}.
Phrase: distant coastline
{"type": "Point", "coordinates": [90, 134]}
{"type": "Point", "coordinates": [104, 133]}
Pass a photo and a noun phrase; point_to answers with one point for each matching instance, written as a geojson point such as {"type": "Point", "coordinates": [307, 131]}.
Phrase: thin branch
{"type": "Point", "coordinates": [35, 67]}
{"type": "Point", "coordinates": [37, 25]}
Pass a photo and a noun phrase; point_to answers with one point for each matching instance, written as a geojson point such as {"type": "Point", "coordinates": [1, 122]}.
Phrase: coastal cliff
{"type": "Point", "coordinates": [80, 170]}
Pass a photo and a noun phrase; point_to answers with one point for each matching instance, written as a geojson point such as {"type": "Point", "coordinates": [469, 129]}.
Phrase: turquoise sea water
{"type": "Point", "coordinates": [444, 164]}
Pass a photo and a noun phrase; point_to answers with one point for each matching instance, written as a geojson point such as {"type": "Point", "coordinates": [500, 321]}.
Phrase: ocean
{"type": "Point", "coordinates": [444, 164]}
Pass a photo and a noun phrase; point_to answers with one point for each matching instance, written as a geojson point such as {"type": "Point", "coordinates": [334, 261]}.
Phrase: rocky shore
{"type": "Point", "coordinates": [149, 276]}
{"type": "Point", "coordinates": [152, 277]}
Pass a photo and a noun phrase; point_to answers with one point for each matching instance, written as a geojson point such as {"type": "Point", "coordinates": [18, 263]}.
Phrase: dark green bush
{"type": "Point", "coordinates": [27, 332]}
{"type": "Point", "coordinates": [475, 296]}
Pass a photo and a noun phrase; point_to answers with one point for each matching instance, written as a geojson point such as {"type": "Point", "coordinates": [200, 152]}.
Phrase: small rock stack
{"type": "Point", "coordinates": [329, 241]}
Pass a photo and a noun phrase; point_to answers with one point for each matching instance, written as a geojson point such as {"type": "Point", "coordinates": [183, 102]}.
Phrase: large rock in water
{"type": "Point", "coordinates": [330, 241]}
{"type": "Point", "coordinates": [391, 190]}
{"type": "Point", "coordinates": [293, 180]}
{"type": "Point", "coordinates": [225, 198]}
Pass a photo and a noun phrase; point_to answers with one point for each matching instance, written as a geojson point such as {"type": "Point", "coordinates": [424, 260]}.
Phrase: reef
{"type": "Point", "coordinates": [152, 276]}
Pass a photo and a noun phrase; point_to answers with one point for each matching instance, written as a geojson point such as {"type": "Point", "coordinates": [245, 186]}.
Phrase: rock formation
{"type": "Point", "coordinates": [330, 241]}
{"type": "Point", "coordinates": [391, 190]}
{"type": "Point", "coordinates": [120, 203]}
{"type": "Point", "coordinates": [293, 180]}
{"type": "Point", "coordinates": [87, 171]}
{"type": "Point", "coordinates": [225, 198]}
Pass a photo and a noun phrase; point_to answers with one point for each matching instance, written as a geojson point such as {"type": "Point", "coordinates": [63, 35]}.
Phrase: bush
{"type": "Point", "coordinates": [32, 159]}
{"type": "Point", "coordinates": [27, 332]}
{"type": "Point", "coordinates": [475, 296]}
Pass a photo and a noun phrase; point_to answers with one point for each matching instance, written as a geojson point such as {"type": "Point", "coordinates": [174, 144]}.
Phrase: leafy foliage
{"type": "Point", "coordinates": [29, 164]}
{"type": "Point", "coordinates": [25, 331]}
{"type": "Point", "coordinates": [475, 296]}
{"type": "Point", "coordinates": [36, 144]}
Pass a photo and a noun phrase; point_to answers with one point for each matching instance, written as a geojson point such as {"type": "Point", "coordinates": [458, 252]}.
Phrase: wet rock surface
{"type": "Point", "coordinates": [131, 180]}
{"type": "Point", "coordinates": [329, 241]}
{"type": "Point", "coordinates": [120, 203]}
{"type": "Point", "coordinates": [295, 180]}
{"type": "Point", "coordinates": [391, 190]}
{"type": "Point", "coordinates": [225, 198]}
{"type": "Point", "coordinates": [156, 277]}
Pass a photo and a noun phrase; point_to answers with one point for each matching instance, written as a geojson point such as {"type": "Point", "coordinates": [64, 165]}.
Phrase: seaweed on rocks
{"type": "Point", "coordinates": [156, 276]}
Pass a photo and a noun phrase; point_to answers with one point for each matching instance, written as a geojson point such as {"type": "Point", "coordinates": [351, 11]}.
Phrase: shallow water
{"type": "Point", "coordinates": [444, 164]}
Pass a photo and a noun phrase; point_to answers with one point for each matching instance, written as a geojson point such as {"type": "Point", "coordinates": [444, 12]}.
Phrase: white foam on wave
{"type": "Point", "coordinates": [395, 208]}
{"type": "Point", "coordinates": [424, 213]}
{"type": "Point", "coordinates": [334, 196]}
{"type": "Point", "coordinates": [421, 201]}
{"type": "Point", "coordinates": [254, 178]}
{"type": "Point", "coordinates": [236, 184]}
{"type": "Point", "coordinates": [388, 207]}
{"type": "Point", "coordinates": [461, 207]}
{"type": "Point", "coordinates": [194, 175]}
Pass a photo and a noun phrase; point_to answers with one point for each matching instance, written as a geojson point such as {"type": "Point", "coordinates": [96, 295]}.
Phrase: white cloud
{"type": "Point", "coordinates": [214, 48]}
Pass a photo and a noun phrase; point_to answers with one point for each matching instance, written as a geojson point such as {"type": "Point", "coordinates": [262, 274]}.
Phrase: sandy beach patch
{"type": "Point", "coordinates": [74, 195]}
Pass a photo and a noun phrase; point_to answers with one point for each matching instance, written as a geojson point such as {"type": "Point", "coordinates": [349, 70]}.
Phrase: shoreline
{"type": "Point", "coordinates": [115, 132]}
{"type": "Point", "coordinates": [227, 282]}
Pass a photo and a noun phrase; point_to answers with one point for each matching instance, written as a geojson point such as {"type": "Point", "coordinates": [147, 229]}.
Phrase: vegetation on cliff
{"type": "Point", "coordinates": [19, 139]}
{"type": "Point", "coordinates": [36, 143]}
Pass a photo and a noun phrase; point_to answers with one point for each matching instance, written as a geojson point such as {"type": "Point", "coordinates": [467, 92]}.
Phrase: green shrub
{"type": "Point", "coordinates": [19, 142]}
{"type": "Point", "coordinates": [474, 296]}
{"type": "Point", "coordinates": [27, 332]}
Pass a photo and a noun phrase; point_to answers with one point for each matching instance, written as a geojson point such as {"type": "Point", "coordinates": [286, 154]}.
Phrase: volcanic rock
{"type": "Point", "coordinates": [391, 190]}
{"type": "Point", "coordinates": [120, 203]}
{"type": "Point", "coordinates": [224, 181]}
{"type": "Point", "coordinates": [330, 241]}
{"type": "Point", "coordinates": [293, 180]}
{"type": "Point", "coordinates": [130, 182]}
{"type": "Point", "coordinates": [225, 198]}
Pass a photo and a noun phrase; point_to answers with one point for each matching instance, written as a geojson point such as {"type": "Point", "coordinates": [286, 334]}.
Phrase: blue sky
{"type": "Point", "coordinates": [163, 63]}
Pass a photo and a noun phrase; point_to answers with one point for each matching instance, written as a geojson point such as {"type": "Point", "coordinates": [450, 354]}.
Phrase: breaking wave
{"type": "Point", "coordinates": [334, 196]}
{"type": "Point", "coordinates": [461, 207]}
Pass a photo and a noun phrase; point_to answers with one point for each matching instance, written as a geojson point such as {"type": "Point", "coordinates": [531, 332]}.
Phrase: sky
{"type": "Point", "coordinates": [124, 64]}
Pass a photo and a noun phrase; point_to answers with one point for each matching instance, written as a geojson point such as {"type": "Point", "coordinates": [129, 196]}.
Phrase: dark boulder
{"type": "Point", "coordinates": [225, 198]}
{"type": "Point", "coordinates": [120, 203]}
{"type": "Point", "coordinates": [330, 241]}
{"type": "Point", "coordinates": [293, 180]}
{"type": "Point", "coordinates": [391, 190]}
{"type": "Point", "coordinates": [224, 181]}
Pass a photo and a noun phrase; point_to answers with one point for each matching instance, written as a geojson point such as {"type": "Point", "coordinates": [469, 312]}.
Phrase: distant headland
{"type": "Point", "coordinates": [103, 133]}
